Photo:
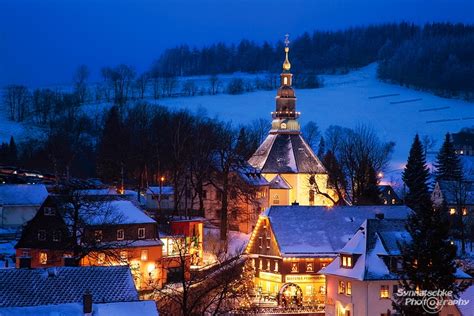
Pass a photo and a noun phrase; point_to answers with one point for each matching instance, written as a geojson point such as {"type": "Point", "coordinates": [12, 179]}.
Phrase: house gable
{"type": "Point", "coordinates": [263, 240]}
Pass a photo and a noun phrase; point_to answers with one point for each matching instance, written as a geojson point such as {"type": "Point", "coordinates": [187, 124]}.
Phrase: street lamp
{"type": "Point", "coordinates": [162, 179]}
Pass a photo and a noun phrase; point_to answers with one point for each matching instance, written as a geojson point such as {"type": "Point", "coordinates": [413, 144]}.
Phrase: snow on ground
{"type": "Point", "coordinates": [348, 100]}
{"type": "Point", "coordinates": [395, 112]}
{"type": "Point", "coordinates": [236, 243]}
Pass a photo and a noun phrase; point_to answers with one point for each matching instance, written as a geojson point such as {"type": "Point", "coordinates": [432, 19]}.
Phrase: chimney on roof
{"type": "Point", "coordinates": [25, 262]}
{"type": "Point", "coordinates": [295, 203]}
{"type": "Point", "coordinates": [87, 303]}
{"type": "Point", "coordinates": [379, 216]}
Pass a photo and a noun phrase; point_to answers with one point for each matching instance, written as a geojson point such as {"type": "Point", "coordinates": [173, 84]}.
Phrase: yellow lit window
{"type": "Point", "coordinates": [124, 256]}
{"type": "Point", "coordinates": [260, 265]}
{"type": "Point", "coordinates": [309, 267]}
{"type": "Point", "coordinates": [341, 287]}
{"type": "Point", "coordinates": [464, 211]}
{"type": "Point", "coordinates": [43, 257]}
{"type": "Point", "coordinates": [393, 201]}
{"type": "Point", "coordinates": [268, 265]}
{"type": "Point", "coordinates": [276, 266]}
{"type": "Point", "coordinates": [253, 263]}
{"type": "Point", "coordinates": [384, 292]}
{"type": "Point", "coordinates": [144, 255]}
{"type": "Point", "coordinates": [101, 258]}
{"type": "Point", "coordinates": [349, 288]}
{"type": "Point", "coordinates": [294, 267]}
{"type": "Point", "coordinates": [452, 211]}
{"type": "Point", "coordinates": [346, 261]}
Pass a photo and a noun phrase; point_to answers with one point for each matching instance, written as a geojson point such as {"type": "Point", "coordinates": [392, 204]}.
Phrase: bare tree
{"type": "Point", "coordinates": [189, 87]}
{"type": "Point", "coordinates": [311, 134]}
{"type": "Point", "coordinates": [169, 83]}
{"type": "Point", "coordinates": [141, 84]}
{"type": "Point", "coordinates": [213, 291]}
{"type": "Point", "coordinates": [17, 100]}
{"type": "Point", "coordinates": [120, 78]}
{"type": "Point", "coordinates": [214, 84]}
{"type": "Point", "coordinates": [80, 82]}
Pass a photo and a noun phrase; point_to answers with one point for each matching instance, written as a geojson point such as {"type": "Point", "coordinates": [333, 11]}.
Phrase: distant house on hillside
{"type": "Point", "coordinates": [388, 195]}
{"type": "Point", "coordinates": [71, 291]}
{"type": "Point", "coordinates": [464, 143]}
{"type": "Point", "coordinates": [458, 196]}
{"type": "Point", "coordinates": [19, 203]}
{"type": "Point", "coordinates": [159, 198]}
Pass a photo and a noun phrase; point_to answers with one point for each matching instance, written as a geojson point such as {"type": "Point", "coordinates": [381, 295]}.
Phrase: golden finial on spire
{"type": "Point", "coordinates": [286, 63]}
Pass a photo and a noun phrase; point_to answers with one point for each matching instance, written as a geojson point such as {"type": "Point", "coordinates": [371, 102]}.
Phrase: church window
{"type": "Point", "coordinates": [285, 80]}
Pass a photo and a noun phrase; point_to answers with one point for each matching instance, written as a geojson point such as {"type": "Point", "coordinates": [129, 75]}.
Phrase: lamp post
{"type": "Point", "coordinates": [162, 179]}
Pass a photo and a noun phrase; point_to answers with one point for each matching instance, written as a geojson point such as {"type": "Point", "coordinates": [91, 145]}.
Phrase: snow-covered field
{"type": "Point", "coordinates": [348, 100]}
{"type": "Point", "coordinates": [395, 112]}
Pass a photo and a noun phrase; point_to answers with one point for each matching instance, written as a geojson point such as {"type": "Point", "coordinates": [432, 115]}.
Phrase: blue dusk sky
{"type": "Point", "coordinates": [43, 41]}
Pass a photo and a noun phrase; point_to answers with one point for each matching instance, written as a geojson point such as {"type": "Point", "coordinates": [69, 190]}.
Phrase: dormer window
{"type": "Point", "coordinates": [346, 261]}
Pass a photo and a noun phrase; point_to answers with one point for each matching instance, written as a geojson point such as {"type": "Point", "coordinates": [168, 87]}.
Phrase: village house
{"type": "Point", "coordinates": [74, 291]}
{"type": "Point", "coordinates": [363, 279]}
{"type": "Point", "coordinates": [19, 203]}
{"type": "Point", "coordinates": [388, 195]}
{"type": "Point", "coordinates": [113, 232]}
{"type": "Point", "coordinates": [457, 196]}
{"type": "Point", "coordinates": [290, 244]}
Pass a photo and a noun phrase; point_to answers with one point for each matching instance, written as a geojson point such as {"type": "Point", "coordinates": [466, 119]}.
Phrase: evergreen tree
{"type": "Point", "coordinates": [12, 152]}
{"type": "Point", "coordinates": [370, 194]}
{"type": "Point", "coordinates": [448, 164]}
{"type": "Point", "coordinates": [111, 151]}
{"type": "Point", "coordinates": [428, 259]}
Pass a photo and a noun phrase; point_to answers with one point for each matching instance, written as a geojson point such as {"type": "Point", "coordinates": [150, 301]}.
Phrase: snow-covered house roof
{"type": "Point", "coordinates": [144, 308]}
{"type": "Point", "coordinates": [319, 230]}
{"type": "Point", "coordinates": [466, 296]}
{"type": "Point", "coordinates": [22, 194]}
{"type": "Point", "coordinates": [251, 175]}
{"type": "Point", "coordinates": [125, 212]}
{"type": "Point", "coordinates": [279, 183]}
{"type": "Point", "coordinates": [60, 285]}
{"type": "Point", "coordinates": [165, 190]}
{"type": "Point", "coordinates": [374, 240]}
{"type": "Point", "coordinates": [453, 192]}
{"type": "Point", "coordinates": [286, 153]}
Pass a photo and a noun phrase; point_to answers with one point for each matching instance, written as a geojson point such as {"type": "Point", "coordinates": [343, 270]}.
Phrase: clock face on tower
{"type": "Point", "coordinates": [283, 126]}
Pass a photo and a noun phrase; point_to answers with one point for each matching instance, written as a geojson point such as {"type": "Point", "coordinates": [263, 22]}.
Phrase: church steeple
{"type": "Point", "coordinates": [284, 118]}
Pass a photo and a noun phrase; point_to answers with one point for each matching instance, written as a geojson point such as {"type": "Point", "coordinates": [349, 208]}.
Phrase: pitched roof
{"type": "Point", "coordinates": [310, 230]}
{"type": "Point", "coordinates": [22, 194]}
{"type": "Point", "coordinates": [60, 285]}
{"type": "Point", "coordinates": [452, 192]}
{"type": "Point", "coordinates": [286, 153]}
{"type": "Point", "coordinates": [279, 183]}
{"type": "Point", "coordinates": [374, 239]}
{"type": "Point", "coordinates": [144, 308]}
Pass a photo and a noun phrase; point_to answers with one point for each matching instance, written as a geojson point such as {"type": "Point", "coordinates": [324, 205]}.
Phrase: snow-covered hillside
{"type": "Point", "coordinates": [397, 113]}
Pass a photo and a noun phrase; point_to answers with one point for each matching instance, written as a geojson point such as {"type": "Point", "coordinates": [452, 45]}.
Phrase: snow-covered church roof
{"type": "Point", "coordinates": [286, 153]}
{"type": "Point", "coordinates": [316, 231]}
{"type": "Point", "coordinates": [22, 194]}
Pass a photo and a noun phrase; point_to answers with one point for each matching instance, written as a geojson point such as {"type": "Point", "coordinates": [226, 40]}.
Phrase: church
{"type": "Point", "coordinates": [285, 160]}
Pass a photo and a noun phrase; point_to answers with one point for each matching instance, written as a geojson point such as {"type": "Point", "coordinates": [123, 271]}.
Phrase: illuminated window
{"type": "Point", "coordinates": [322, 289]}
{"type": "Point", "coordinates": [124, 256]}
{"type": "Point", "coordinates": [43, 257]}
{"type": "Point", "coordinates": [276, 266]}
{"type": "Point", "coordinates": [309, 290]}
{"type": "Point", "coordinates": [57, 235]}
{"type": "Point", "coordinates": [268, 242]}
{"type": "Point", "coordinates": [144, 255]}
{"type": "Point", "coordinates": [120, 234]}
{"type": "Point", "coordinates": [41, 234]}
{"type": "Point", "coordinates": [141, 233]}
{"type": "Point", "coordinates": [309, 267]}
{"type": "Point", "coordinates": [101, 258]}
{"type": "Point", "coordinates": [260, 264]}
{"type": "Point", "coordinates": [349, 288]}
{"type": "Point", "coordinates": [341, 287]}
{"type": "Point", "coordinates": [253, 263]}
{"type": "Point", "coordinates": [49, 211]}
{"type": "Point", "coordinates": [452, 211]}
{"type": "Point", "coordinates": [268, 265]}
{"type": "Point", "coordinates": [294, 267]}
{"type": "Point", "coordinates": [285, 80]}
{"type": "Point", "coordinates": [464, 211]}
{"type": "Point", "coordinates": [384, 291]}
{"type": "Point", "coordinates": [385, 201]}
{"type": "Point", "coordinates": [346, 261]}
{"type": "Point", "coordinates": [393, 201]}
{"type": "Point", "coordinates": [98, 235]}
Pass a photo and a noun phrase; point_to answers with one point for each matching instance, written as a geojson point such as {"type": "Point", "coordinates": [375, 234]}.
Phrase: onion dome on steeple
{"type": "Point", "coordinates": [285, 115]}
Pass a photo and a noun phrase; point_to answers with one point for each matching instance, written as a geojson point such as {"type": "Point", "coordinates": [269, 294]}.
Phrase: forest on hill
{"type": "Point", "coordinates": [438, 57]}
